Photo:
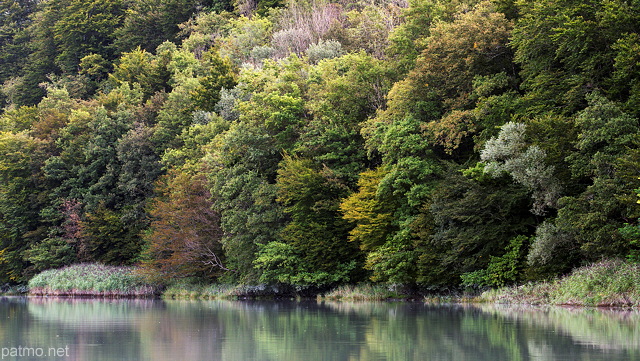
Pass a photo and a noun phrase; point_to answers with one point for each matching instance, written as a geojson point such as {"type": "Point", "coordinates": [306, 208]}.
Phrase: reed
{"type": "Point", "coordinates": [91, 280]}
{"type": "Point", "coordinates": [364, 292]}
{"type": "Point", "coordinates": [197, 291]}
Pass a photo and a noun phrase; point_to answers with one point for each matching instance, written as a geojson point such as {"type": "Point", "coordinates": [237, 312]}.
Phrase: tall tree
{"type": "Point", "coordinates": [185, 233]}
{"type": "Point", "coordinates": [149, 23]}
{"type": "Point", "coordinates": [20, 201]}
{"type": "Point", "coordinates": [13, 38]}
{"type": "Point", "coordinates": [567, 49]}
{"type": "Point", "coordinates": [316, 232]}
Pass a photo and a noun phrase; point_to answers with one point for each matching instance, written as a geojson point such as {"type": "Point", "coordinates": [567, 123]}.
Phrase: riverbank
{"type": "Point", "coordinates": [199, 291]}
{"type": "Point", "coordinates": [362, 292]}
{"type": "Point", "coordinates": [611, 283]}
{"type": "Point", "coordinates": [14, 290]}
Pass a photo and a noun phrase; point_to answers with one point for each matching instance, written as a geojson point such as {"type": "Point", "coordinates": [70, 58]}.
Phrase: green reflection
{"type": "Point", "coordinates": [251, 330]}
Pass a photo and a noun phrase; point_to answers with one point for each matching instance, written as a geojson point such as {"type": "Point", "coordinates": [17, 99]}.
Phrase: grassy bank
{"type": "Point", "coordinates": [91, 280]}
{"type": "Point", "coordinates": [199, 291]}
{"type": "Point", "coordinates": [611, 283]}
{"type": "Point", "coordinates": [365, 292]}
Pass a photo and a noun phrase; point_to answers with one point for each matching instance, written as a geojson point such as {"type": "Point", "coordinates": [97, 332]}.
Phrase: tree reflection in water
{"type": "Point", "coordinates": [310, 330]}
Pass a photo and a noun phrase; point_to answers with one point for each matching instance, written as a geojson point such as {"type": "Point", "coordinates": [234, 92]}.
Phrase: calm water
{"type": "Point", "coordinates": [306, 331]}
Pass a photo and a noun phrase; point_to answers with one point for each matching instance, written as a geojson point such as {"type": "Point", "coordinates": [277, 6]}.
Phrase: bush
{"type": "Point", "coordinates": [501, 270]}
{"type": "Point", "coordinates": [324, 50]}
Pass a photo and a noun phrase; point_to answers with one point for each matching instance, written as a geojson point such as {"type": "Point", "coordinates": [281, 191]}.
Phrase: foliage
{"type": "Point", "coordinates": [243, 195]}
{"type": "Point", "coordinates": [631, 233]}
{"type": "Point", "coordinates": [108, 238]}
{"type": "Point", "coordinates": [279, 263]}
{"type": "Point", "coordinates": [606, 161]}
{"type": "Point", "coordinates": [319, 142]}
{"type": "Point", "coordinates": [526, 164]}
{"type": "Point", "coordinates": [149, 23]}
{"type": "Point", "coordinates": [316, 231]}
{"type": "Point", "coordinates": [566, 50]}
{"type": "Point", "coordinates": [219, 76]}
{"type": "Point", "coordinates": [19, 200]}
{"type": "Point", "coordinates": [372, 217]}
{"type": "Point", "coordinates": [50, 253]}
{"type": "Point", "coordinates": [324, 50]}
{"type": "Point", "coordinates": [501, 270]}
{"type": "Point", "coordinates": [466, 228]}
{"type": "Point", "coordinates": [184, 236]}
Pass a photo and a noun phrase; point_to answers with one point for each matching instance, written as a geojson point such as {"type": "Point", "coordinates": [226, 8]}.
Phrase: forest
{"type": "Point", "coordinates": [431, 143]}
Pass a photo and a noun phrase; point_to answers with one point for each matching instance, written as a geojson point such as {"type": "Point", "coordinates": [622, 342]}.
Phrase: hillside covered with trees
{"type": "Point", "coordinates": [315, 143]}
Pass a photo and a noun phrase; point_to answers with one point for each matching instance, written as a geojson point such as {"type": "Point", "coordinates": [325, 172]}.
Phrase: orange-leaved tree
{"type": "Point", "coordinates": [184, 236]}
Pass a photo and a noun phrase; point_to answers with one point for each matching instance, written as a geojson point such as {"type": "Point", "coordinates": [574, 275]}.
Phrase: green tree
{"type": "Point", "coordinates": [502, 270]}
{"type": "Point", "coordinates": [83, 27]}
{"type": "Point", "coordinates": [343, 93]}
{"type": "Point", "coordinates": [567, 49]}
{"type": "Point", "coordinates": [109, 238]}
{"type": "Point", "coordinates": [474, 43]}
{"type": "Point", "coordinates": [244, 160]}
{"type": "Point", "coordinates": [371, 216]}
{"type": "Point", "coordinates": [311, 196]}
{"type": "Point", "coordinates": [407, 40]}
{"type": "Point", "coordinates": [604, 167]}
{"type": "Point", "coordinates": [242, 163]}
{"type": "Point", "coordinates": [61, 33]}
{"type": "Point", "coordinates": [40, 61]}
{"type": "Point", "coordinates": [149, 23]}
{"type": "Point", "coordinates": [469, 212]}
{"type": "Point", "coordinates": [20, 201]}
{"type": "Point", "coordinates": [13, 40]}
{"type": "Point", "coordinates": [219, 75]}
{"type": "Point", "coordinates": [606, 161]}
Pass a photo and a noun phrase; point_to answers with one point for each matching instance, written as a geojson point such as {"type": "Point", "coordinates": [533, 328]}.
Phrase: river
{"type": "Point", "coordinates": [96, 330]}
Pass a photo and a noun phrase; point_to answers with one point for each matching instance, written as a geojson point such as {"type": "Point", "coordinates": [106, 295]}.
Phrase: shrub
{"type": "Point", "coordinates": [324, 50]}
{"type": "Point", "coordinates": [501, 270]}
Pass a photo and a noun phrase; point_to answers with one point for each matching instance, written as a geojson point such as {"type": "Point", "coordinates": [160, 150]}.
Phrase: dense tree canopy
{"type": "Point", "coordinates": [430, 143]}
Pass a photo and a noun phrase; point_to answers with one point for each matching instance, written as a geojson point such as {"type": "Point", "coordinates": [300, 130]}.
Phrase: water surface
{"type": "Point", "coordinates": [250, 330]}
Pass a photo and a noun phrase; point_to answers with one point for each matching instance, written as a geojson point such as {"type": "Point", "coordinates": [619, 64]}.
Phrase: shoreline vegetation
{"type": "Point", "coordinates": [609, 283]}
{"type": "Point", "coordinates": [91, 280]}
